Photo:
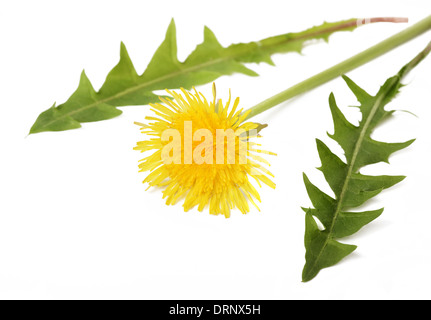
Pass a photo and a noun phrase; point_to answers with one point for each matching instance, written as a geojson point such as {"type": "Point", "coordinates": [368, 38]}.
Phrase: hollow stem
{"type": "Point", "coordinates": [344, 67]}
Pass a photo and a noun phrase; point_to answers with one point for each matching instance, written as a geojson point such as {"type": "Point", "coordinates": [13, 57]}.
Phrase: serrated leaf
{"type": "Point", "coordinates": [210, 60]}
{"type": "Point", "coordinates": [351, 188]}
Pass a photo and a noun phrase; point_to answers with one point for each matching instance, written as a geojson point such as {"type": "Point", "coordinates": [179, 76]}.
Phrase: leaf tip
{"type": "Point", "coordinates": [83, 78]}
{"type": "Point", "coordinates": [172, 26]}
{"type": "Point", "coordinates": [320, 144]}
{"type": "Point", "coordinates": [306, 210]}
{"type": "Point", "coordinates": [122, 47]}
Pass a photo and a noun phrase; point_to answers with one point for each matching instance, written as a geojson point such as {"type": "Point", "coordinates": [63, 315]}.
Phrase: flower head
{"type": "Point", "coordinates": [202, 153]}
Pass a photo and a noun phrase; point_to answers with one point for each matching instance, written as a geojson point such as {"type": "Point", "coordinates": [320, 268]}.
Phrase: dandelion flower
{"type": "Point", "coordinates": [198, 164]}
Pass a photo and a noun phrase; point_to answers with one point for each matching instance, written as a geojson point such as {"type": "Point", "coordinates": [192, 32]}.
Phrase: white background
{"type": "Point", "coordinates": [76, 221]}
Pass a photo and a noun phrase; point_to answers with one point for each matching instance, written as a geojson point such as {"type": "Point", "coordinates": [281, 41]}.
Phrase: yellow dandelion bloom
{"type": "Point", "coordinates": [202, 153]}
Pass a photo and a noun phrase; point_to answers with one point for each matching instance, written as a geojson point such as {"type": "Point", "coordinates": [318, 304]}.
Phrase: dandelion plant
{"type": "Point", "coordinates": [183, 132]}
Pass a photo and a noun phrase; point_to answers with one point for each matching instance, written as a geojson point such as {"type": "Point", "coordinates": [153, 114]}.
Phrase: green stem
{"type": "Point", "coordinates": [344, 67]}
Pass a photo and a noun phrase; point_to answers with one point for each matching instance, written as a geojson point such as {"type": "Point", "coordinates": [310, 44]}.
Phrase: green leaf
{"type": "Point", "coordinates": [124, 86]}
{"type": "Point", "coordinates": [351, 188]}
